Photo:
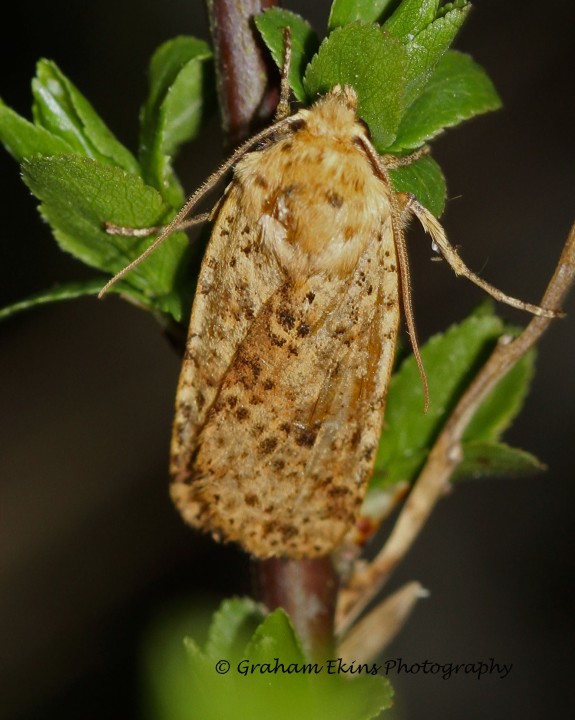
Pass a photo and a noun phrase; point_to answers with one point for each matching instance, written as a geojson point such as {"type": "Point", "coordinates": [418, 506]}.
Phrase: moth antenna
{"type": "Point", "coordinates": [112, 229]}
{"type": "Point", "coordinates": [402, 260]}
{"type": "Point", "coordinates": [194, 199]}
{"type": "Point", "coordinates": [283, 108]}
{"type": "Point", "coordinates": [404, 274]}
{"type": "Point", "coordinates": [433, 227]}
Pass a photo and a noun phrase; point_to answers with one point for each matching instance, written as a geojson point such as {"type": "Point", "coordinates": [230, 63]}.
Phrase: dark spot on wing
{"type": "Point", "coordinates": [306, 437]}
{"type": "Point", "coordinates": [268, 445]}
{"type": "Point", "coordinates": [334, 199]}
{"type": "Point", "coordinates": [276, 340]}
{"type": "Point", "coordinates": [285, 318]}
{"type": "Point", "coordinates": [299, 124]}
{"type": "Point", "coordinates": [242, 413]}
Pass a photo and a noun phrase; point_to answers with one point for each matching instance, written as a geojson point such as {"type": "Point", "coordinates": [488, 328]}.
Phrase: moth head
{"type": "Point", "coordinates": [346, 95]}
{"type": "Point", "coordinates": [334, 114]}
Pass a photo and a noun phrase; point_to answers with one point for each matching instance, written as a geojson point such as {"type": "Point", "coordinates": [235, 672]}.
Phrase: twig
{"type": "Point", "coordinates": [371, 635]}
{"type": "Point", "coordinates": [307, 591]}
{"type": "Point", "coordinates": [248, 89]}
{"type": "Point", "coordinates": [446, 454]}
{"type": "Point", "coordinates": [247, 83]}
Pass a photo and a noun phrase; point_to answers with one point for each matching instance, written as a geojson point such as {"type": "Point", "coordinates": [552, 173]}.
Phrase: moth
{"type": "Point", "coordinates": [282, 391]}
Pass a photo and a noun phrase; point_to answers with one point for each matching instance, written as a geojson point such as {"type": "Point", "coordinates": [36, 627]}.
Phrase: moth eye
{"type": "Point", "coordinates": [298, 124]}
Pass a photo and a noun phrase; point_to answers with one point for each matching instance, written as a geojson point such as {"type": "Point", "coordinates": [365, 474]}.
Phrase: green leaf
{"type": "Point", "coordinates": [425, 180]}
{"type": "Point", "coordinates": [458, 90]}
{"type": "Point", "coordinates": [483, 459]}
{"type": "Point", "coordinates": [275, 636]}
{"type": "Point", "coordinates": [344, 12]}
{"type": "Point", "coordinates": [426, 49]}
{"type": "Point", "coordinates": [69, 291]}
{"type": "Point", "coordinates": [450, 360]}
{"type": "Point", "coordinates": [163, 658]}
{"type": "Point", "coordinates": [23, 140]}
{"type": "Point", "coordinates": [411, 17]}
{"type": "Point", "coordinates": [272, 672]}
{"type": "Point", "coordinates": [180, 96]}
{"type": "Point", "coordinates": [79, 195]}
{"type": "Point", "coordinates": [60, 108]}
{"type": "Point", "coordinates": [403, 55]}
{"type": "Point", "coordinates": [503, 404]}
{"type": "Point", "coordinates": [303, 39]}
{"type": "Point", "coordinates": [355, 55]}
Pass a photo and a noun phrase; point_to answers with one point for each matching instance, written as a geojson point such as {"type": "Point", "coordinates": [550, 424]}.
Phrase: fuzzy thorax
{"type": "Point", "coordinates": [313, 192]}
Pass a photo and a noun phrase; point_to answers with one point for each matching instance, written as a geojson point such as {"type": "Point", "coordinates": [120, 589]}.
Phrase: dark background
{"type": "Point", "coordinates": [90, 547]}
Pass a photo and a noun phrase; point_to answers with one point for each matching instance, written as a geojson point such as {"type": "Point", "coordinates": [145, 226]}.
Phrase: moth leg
{"type": "Point", "coordinates": [112, 229]}
{"type": "Point", "coordinates": [283, 109]}
{"type": "Point", "coordinates": [433, 227]}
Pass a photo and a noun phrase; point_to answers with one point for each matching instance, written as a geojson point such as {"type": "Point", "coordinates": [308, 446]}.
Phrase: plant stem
{"type": "Point", "coordinates": [307, 591]}
{"type": "Point", "coordinates": [247, 82]}
{"type": "Point", "coordinates": [248, 89]}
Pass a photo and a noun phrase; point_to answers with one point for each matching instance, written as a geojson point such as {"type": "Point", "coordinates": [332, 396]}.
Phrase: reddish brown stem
{"type": "Point", "coordinates": [247, 82]}
{"type": "Point", "coordinates": [248, 89]}
{"type": "Point", "coordinates": [307, 591]}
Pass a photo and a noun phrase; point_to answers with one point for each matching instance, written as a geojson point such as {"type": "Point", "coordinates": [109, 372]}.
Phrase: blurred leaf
{"type": "Point", "coordinates": [488, 459]}
{"type": "Point", "coordinates": [425, 180]}
{"type": "Point", "coordinates": [344, 12]}
{"type": "Point", "coordinates": [180, 96]}
{"type": "Point", "coordinates": [164, 659]}
{"type": "Point", "coordinates": [275, 635]}
{"type": "Point", "coordinates": [79, 195]}
{"type": "Point", "coordinates": [62, 110]}
{"type": "Point", "coordinates": [458, 90]}
{"type": "Point", "coordinates": [304, 43]}
{"type": "Point", "coordinates": [232, 626]}
{"type": "Point", "coordinates": [271, 674]}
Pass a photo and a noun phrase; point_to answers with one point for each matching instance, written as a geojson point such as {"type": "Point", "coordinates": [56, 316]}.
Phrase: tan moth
{"type": "Point", "coordinates": [292, 334]}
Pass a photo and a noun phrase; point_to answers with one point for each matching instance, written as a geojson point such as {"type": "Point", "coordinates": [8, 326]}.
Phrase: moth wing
{"type": "Point", "coordinates": [235, 281]}
{"type": "Point", "coordinates": [283, 458]}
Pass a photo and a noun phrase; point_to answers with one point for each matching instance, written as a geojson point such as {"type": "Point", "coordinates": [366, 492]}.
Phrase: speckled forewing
{"type": "Point", "coordinates": [236, 278]}
{"type": "Point", "coordinates": [283, 458]}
